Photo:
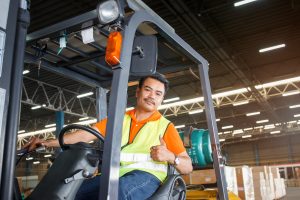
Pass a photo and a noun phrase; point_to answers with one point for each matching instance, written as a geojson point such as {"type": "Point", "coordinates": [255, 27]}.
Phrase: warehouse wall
{"type": "Point", "coordinates": [274, 150]}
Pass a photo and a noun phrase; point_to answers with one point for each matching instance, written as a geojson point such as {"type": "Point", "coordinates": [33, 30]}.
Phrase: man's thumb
{"type": "Point", "coordinates": [162, 142]}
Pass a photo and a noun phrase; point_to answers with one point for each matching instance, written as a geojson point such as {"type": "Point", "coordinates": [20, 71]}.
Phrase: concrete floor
{"type": "Point", "coordinates": [292, 193]}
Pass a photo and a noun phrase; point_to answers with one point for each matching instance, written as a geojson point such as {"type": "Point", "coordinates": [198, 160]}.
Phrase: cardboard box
{"type": "Point", "coordinates": [197, 177]}
{"type": "Point", "coordinates": [231, 180]}
{"type": "Point", "coordinates": [245, 183]}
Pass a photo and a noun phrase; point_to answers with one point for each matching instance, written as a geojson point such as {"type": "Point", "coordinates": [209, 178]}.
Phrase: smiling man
{"type": "Point", "coordinates": [149, 143]}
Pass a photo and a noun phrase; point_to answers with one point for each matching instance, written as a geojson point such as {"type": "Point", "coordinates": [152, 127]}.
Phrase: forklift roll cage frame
{"type": "Point", "coordinates": [111, 157]}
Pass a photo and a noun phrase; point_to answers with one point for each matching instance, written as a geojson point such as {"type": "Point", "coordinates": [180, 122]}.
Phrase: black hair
{"type": "Point", "coordinates": [157, 76]}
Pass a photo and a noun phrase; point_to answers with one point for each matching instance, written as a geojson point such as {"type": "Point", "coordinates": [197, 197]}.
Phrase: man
{"type": "Point", "coordinates": [149, 143]}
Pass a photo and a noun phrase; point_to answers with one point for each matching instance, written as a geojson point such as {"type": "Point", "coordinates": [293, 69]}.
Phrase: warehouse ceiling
{"type": "Point", "coordinates": [228, 37]}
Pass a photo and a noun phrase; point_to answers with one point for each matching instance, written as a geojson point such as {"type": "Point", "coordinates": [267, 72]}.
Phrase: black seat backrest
{"type": "Point", "coordinates": [173, 188]}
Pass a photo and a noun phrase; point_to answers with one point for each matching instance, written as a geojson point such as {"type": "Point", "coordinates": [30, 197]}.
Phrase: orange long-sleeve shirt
{"type": "Point", "coordinates": [171, 136]}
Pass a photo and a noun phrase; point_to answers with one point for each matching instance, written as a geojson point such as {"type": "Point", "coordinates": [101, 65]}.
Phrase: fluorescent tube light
{"type": "Point", "coordinates": [36, 107]}
{"type": "Point", "coordinates": [36, 162]}
{"type": "Point", "coordinates": [180, 126]}
{"type": "Point", "coordinates": [240, 103]}
{"type": "Point", "coordinates": [47, 155]}
{"type": "Point", "coordinates": [297, 115]}
{"type": "Point", "coordinates": [253, 113]}
{"type": "Point", "coordinates": [29, 158]}
{"type": "Point", "coordinates": [83, 118]}
{"type": "Point", "coordinates": [87, 122]}
{"type": "Point", "coordinates": [26, 71]}
{"type": "Point", "coordinates": [171, 99]}
{"type": "Point", "coordinates": [295, 106]}
{"type": "Point", "coordinates": [291, 93]}
{"type": "Point", "coordinates": [130, 108]}
{"type": "Point", "coordinates": [217, 120]}
{"type": "Point", "coordinates": [270, 126]}
{"type": "Point", "coordinates": [195, 111]}
{"type": "Point", "coordinates": [274, 132]}
{"type": "Point", "coordinates": [248, 129]}
{"type": "Point", "coordinates": [85, 95]}
{"type": "Point", "coordinates": [258, 127]}
{"type": "Point", "coordinates": [291, 122]}
{"type": "Point", "coordinates": [271, 48]}
{"type": "Point", "coordinates": [226, 132]}
{"type": "Point", "coordinates": [21, 131]}
{"type": "Point", "coordinates": [221, 140]}
{"type": "Point", "coordinates": [220, 133]}
{"type": "Point", "coordinates": [50, 125]}
{"type": "Point", "coordinates": [227, 127]}
{"type": "Point", "coordinates": [246, 136]}
{"type": "Point", "coordinates": [262, 121]}
{"type": "Point", "coordinates": [240, 3]}
{"type": "Point", "coordinates": [238, 131]}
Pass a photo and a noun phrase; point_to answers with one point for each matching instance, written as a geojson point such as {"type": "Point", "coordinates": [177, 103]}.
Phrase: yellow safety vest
{"type": "Point", "coordinates": [136, 155]}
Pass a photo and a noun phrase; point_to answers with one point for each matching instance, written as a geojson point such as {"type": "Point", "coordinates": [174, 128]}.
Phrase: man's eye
{"type": "Point", "coordinates": [158, 94]}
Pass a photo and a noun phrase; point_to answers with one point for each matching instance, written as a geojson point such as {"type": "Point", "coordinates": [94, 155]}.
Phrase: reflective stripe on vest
{"type": "Point", "coordinates": [148, 165]}
{"type": "Point", "coordinates": [136, 155]}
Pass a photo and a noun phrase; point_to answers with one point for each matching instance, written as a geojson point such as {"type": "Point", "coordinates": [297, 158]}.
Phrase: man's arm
{"type": "Point", "coordinates": [70, 138]}
{"type": "Point", "coordinates": [162, 154]}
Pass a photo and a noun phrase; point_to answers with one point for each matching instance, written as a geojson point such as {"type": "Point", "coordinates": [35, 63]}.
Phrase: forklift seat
{"type": "Point", "coordinates": [173, 188]}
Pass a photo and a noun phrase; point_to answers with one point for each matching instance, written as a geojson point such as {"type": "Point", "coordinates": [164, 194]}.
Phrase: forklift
{"type": "Point", "coordinates": [129, 54]}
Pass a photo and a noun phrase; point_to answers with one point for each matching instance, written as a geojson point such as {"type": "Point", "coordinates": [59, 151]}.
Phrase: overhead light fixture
{"type": "Point", "coordinates": [195, 111]}
{"type": "Point", "coordinates": [291, 93]}
{"type": "Point", "coordinates": [47, 155]}
{"type": "Point", "coordinates": [21, 131]}
{"type": "Point", "coordinates": [130, 108]}
{"type": "Point", "coordinates": [258, 127]}
{"type": "Point", "coordinates": [297, 115]}
{"type": "Point", "coordinates": [271, 48]}
{"type": "Point", "coordinates": [238, 131]}
{"type": "Point", "coordinates": [292, 122]}
{"type": "Point", "coordinates": [248, 129]}
{"type": "Point", "coordinates": [262, 121]}
{"type": "Point", "coordinates": [85, 95]}
{"type": "Point", "coordinates": [217, 120]}
{"type": "Point", "coordinates": [274, 132]}
{"type": "Point", "coordinates": [253, 113]}
{"type": "Point", "coordinates": [83, 118]}
{"type": "Point", "coordinates": [226, 132]}
{"type": "Point", "coordinates": [26, 71]}
{"type": "Point", "coordinates": [227, 127]}
{"type": "Point", "coordinates": [29, 158]}
{"type": "Point", "coordinates": [87, 122]}
{"type": "Point", "coordinates": [36, 162]}
{"type": "Point", "coordinates": [240, 103]}
{"type": "Point", "coordinates": [246, 136]}
{"type": "Point", "coordinates": [277, 83]}
{"type": "Point", "coordinates": [221, 140]}
{"type": "Point", "coordinates": [295, 106]}
{"type": "Point", "coordinates": [108, 12]}
{"type": "Point", "coordinates": [269, 126]}
{"type": "Point", "coordinates": [36, 107]}
{"type": "Point", "coordinates": [220, 133]}
{"type": "Point", "coordinates": [50, 125]}
{"type": "Point", "coordinates": [240, 3]}
{"type": "Point", "coordinates": [180, 126]}
{"type": "Point", "coordinates": [171, 99]}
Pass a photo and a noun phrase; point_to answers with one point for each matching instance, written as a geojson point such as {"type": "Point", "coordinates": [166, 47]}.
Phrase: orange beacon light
{"type": "Point", "coordinates": [113, 48]}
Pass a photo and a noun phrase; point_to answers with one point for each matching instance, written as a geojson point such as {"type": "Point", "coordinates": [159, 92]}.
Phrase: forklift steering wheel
{"type": "Point", "coordinates": [76, 126]}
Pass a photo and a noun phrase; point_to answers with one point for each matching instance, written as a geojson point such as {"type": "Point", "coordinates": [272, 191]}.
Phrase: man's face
{"type": "Point", "coordinates": [150, 96]}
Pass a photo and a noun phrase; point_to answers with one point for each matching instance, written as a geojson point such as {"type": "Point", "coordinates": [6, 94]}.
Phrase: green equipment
{"type": "Point", "coordinates": [198, 146]}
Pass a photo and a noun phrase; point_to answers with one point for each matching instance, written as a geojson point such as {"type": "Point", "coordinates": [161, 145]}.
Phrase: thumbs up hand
{"type": "Point", "coordinates": [161, 153]}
